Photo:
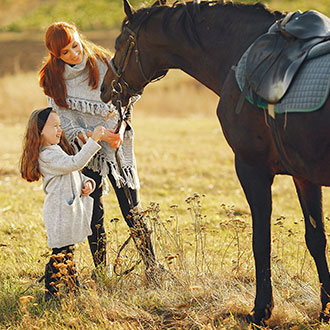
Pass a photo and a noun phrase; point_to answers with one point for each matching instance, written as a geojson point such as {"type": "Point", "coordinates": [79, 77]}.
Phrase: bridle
{"type": "Point", "coordinates": [119, 84]}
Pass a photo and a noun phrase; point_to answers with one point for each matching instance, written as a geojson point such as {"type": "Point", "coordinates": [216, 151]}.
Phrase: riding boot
{"type": "Point", "coordinates": [60, 270]}
{"type": "Point", "coordinates": [142, 238]}
{"type": "Point", "coordinates": [71, 278]}
{"type": "Point", "coordinates": [51, 279]}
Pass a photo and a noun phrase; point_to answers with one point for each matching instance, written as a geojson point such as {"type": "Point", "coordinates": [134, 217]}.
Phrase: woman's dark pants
{"type": "Point", "coordinates": [97, 240]}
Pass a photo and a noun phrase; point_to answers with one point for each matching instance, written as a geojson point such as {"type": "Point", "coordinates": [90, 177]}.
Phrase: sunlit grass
{"type": "Point", "coordinates": [22, 15]}
{"type": "Point", "coordinates": [19, 95]}
{"type": "Point", "coordinates": [303, 5]}
{"type": "Point", "coordinates": [204, 240]}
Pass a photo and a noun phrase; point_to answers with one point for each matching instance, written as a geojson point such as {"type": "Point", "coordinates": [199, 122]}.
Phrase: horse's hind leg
{"type": "Point", "coordinates": [256, 182]}
{"type": "Point", "coordinates": [310, 197]}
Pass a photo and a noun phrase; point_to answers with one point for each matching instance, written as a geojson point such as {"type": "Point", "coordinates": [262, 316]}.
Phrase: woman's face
{"type": "Point", "coordinates": [72, 53]}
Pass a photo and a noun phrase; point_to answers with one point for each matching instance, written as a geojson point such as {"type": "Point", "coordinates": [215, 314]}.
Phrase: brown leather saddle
{"type": "Point", "coordinates": [275, 57]}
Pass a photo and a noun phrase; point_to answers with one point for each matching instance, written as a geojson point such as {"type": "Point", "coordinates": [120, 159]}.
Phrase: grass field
{"type": "Point", "coordinates": [194, 203]}
{"type": "Point", "coordinates": [22, 15]}
{"type": "Point", "coordinates": [203, 240]}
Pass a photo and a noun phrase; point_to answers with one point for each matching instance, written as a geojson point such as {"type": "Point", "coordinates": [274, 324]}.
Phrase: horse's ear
{"type": "Point", "coordinates": [129, 10]}
{"type": "Point", "coordinates": [159, 3]}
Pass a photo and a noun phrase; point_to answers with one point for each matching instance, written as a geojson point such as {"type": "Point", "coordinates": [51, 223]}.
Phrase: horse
{"type": "Point", "coordinates": [205, 39]}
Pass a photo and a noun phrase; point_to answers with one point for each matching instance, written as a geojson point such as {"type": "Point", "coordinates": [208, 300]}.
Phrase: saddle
{"type": "Point", "coordinates": [275, 57]}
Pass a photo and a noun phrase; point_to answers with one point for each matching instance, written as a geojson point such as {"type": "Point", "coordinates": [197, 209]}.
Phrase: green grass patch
{"type": "Point", "coordinates": [104, 14]}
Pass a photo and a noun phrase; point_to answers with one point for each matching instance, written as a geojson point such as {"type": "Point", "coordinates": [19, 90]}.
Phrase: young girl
{"type": "Point", "coordinates": [67, 207]}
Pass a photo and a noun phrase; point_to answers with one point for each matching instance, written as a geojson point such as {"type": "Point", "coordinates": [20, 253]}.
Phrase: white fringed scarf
{"type": "Point", "coordinates": [86, 111]}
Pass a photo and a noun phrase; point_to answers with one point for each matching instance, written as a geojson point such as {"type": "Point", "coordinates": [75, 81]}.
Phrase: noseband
{"type": "Point", "coordinates": [119, 84]}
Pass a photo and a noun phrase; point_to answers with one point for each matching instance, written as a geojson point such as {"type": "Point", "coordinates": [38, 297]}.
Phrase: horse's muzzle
{"type": "Point", "coordinates": [105, 93]}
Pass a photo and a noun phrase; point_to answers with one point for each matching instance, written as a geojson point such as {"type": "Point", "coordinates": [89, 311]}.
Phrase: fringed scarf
{"type": "Point", "coordinates": [86, 111]}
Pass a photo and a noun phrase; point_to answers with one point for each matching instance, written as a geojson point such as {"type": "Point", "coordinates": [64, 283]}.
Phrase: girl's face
{"type": "Point", "coordinates": [52, 131]}
{"type": "Point", "coordinates": [72, 53]}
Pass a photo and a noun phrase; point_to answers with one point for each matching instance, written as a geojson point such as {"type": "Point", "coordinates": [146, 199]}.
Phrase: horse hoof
{"type": "Point", "coordinates": [259, 317]}
{"type": "Point", "coordinates": [252, 319]}
{"type": "Point", "coordinates": [325, 314]}
{"type": "Point", "coordinates": [324, 317]}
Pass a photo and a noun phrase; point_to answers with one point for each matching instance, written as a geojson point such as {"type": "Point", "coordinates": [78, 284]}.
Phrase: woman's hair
{"type": "Point", "coordinates": [29, 164]}
{"type": "Point", "coordinates": [59, 35]}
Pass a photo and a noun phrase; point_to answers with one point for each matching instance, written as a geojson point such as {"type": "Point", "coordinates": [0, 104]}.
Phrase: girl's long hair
{"type": "Point", "coordinates": [59, 35]}
{"type": "Point", "coordinates": [29, 164]}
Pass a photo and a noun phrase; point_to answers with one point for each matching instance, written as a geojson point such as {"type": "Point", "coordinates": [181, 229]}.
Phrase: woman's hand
{"type": "Point", "coordinates": [114, 139]}
{"type": "Point", "coordinates": [88, 188]}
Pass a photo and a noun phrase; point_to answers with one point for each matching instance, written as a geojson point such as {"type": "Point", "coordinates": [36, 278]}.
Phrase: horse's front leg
{"type": "Point", "coordinates": [256, 182]}
{"type": "Point", "coordinates": [310, 197]}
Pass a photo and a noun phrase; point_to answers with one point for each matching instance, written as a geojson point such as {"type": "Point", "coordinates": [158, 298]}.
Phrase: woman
{"type": "Point", "coordinates": [71, 78]}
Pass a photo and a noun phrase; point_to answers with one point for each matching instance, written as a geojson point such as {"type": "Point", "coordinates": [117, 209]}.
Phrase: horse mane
{"type": "Point", "coordinates": [197, 6]}
{"type": "Point", "coordinates": [188, 14]}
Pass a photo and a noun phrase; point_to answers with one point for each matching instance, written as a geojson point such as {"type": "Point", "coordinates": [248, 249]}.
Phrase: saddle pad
{"type": "Point", "coordinates": [308, 91]}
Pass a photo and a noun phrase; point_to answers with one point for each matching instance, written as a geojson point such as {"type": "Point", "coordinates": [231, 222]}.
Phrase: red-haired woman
{"type": "Point", "coordinates": [71, 78]}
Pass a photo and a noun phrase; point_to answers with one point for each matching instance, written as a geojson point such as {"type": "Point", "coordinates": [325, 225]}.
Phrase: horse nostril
{"type": "Point", "coordinates": [102, 88]}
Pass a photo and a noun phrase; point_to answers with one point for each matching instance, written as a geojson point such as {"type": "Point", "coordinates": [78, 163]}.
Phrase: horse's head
{"type": "Point", "coordinates": [130, 69]}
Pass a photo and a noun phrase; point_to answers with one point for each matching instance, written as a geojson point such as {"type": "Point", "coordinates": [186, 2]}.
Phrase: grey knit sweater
{"type": "Point", "coordinates": [85, 112]}
{"type": "Point", "coordinates": [67, 215]}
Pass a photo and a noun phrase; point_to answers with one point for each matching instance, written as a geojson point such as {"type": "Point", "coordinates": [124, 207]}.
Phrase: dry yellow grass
{"type": "Point", "coordinates": [321, 6]}
{"type": "Point", "coordinates": [19, 95]}
{"type": "Point", "coordinates": [205, 244]}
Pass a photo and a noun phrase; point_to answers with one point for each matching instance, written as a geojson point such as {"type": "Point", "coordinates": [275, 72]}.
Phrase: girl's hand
{"type": "Point", "coordinates": [114, 139]}
{"type": "Point", "coordinates": [88, 188]}
{"type": "Point", "coordinates": [98, 133]}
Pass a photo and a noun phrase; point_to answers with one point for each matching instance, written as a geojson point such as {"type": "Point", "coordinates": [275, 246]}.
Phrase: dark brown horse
{"type": "Point", "coordinates": [205, 39]}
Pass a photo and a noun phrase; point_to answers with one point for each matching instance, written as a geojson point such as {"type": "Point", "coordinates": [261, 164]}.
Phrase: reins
{"type": "Point", "coordinates": [126, 191]}
{"type": "Point", "coordinates": [139, 231]}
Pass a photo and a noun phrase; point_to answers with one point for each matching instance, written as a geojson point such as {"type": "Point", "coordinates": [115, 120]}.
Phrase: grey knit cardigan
{"type": "Point", "coordinates": [67, 215]}
{"type": "Point", "coordinates": [86, 111]}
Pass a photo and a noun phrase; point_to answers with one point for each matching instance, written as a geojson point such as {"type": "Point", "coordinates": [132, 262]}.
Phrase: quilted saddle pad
{"type": "Point", "coordinates": [308, 91]}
